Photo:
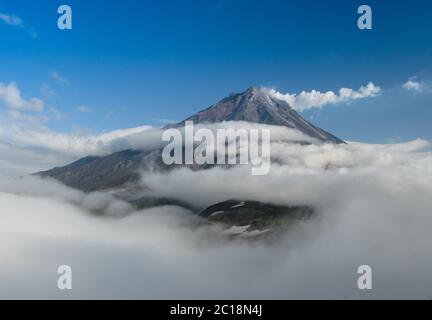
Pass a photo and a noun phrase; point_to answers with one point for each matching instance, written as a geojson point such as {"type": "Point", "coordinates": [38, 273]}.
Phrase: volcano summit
{"type": "Point", "coordinates": [258, 105]}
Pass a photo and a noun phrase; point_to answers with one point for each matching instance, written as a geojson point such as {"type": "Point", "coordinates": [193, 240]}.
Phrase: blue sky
{"type": "Point", "coordinates": [129, 63]}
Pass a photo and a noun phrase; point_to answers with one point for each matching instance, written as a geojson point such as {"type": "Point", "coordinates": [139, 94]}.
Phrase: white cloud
{"type": "Point", "coordinates": [413, 85]}
{"type": "Point", "coordinates": [11, 20]}
{"type": "Point", "coordinates": [58, 77]}
{"type": "Point", "coordinates": [10, 95]}
{"type": "Point", "coordinates": [316, 99]}
{"type": "Point", "coordinates": [72, 144]}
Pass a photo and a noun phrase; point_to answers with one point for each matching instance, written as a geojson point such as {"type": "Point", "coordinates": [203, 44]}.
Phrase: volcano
{"type": "Point", "coordinates": [256, 105]}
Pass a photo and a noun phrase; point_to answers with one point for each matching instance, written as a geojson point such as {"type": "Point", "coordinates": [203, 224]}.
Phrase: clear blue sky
{"type": "Point", "coordinates": [134, 62]}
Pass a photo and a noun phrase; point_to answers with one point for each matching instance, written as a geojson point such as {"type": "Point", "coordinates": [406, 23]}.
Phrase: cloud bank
{"type": "Point", "coordinates": [373, 207]}
{"type": "Point", "coordinates": [28, 146]}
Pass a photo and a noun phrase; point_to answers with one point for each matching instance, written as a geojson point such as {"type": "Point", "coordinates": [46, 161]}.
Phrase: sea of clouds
{"type": "Point", "coordinates": [373, 206]}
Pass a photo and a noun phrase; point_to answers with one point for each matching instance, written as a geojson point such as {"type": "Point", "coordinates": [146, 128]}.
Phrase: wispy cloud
{"type": "Point", "coordinates": [46, 90]}
{"type": "Point", "coordinates": [11, 20]}
{"type": "Point", "coordinates": [15, 21]}
{"type": "Point", "coordinates": [83, 109]}
{"type": "Point", "coordinates": [58, 77]}
{"type": "Point", "coordinates": [317, 99]}
{"type": "Point", "coordinates": [56, 114]}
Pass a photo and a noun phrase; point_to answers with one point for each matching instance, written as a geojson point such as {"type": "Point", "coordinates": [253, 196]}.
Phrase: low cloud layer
{"type": "Point", "coordinates": [316, 99]}
{"type": "Point", "coordinates": [29, 147]}
{"type": "Point", "coordinates": [373, 207]}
